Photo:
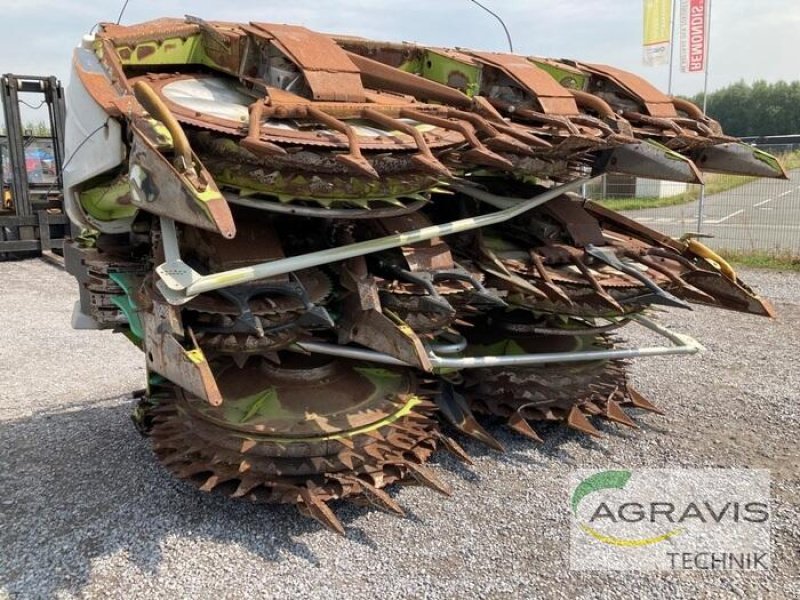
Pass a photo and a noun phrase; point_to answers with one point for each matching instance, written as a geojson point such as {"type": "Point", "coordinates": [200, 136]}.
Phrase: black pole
{"type": "Point", "coordinates": [496, 16]}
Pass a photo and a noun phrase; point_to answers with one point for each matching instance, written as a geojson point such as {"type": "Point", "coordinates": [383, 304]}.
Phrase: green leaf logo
{"type": "Point", "coordinates": [606, 480]}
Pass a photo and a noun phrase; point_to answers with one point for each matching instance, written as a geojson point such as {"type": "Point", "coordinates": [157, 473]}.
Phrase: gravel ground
{"type": "Point", "coordinates": [85, 510]}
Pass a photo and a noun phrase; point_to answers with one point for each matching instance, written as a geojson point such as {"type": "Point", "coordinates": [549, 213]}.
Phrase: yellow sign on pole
{"type": "Point", "coordinates": [657, 31]}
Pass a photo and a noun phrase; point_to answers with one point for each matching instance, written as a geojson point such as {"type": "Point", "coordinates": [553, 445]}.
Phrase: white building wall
{"type": "Point", "coordinates": [654, 188]}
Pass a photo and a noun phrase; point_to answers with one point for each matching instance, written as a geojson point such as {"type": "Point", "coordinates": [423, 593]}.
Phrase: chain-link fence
{"type": "Point", "coordinates": [743, 214]}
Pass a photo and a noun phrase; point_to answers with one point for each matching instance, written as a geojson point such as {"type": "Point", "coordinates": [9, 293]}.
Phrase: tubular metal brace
{"type": "Point", "coordinates": [682, 344]}
{"type": "Point", "coordinates": [179, 283]}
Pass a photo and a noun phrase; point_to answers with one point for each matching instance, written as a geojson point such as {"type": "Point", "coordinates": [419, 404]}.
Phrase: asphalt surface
{"type": "Point", "coordinates": [86, 511]}
{"type": "Point", "coordinates": [762, 215]}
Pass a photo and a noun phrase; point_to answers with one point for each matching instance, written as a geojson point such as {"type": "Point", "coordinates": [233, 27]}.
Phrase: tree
{"type": "Point", "coordinates": [39, 129]}
{"type": "Point", "coordinates": [756, 109]}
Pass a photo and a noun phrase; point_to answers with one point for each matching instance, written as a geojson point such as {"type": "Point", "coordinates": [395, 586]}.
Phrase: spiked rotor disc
{"type": "Point", "coordinates": [305, 432]}
{"type": "Point", "coordinates": [317, 286]}
{"type": "Point", "coordinates": [565, 392]}
{"type": "Point", "coordinates": [279, 316]}
{"type": "Point", "coordinates": [541, 392]}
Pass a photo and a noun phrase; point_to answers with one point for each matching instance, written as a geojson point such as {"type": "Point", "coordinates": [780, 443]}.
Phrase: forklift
{"type": "Point", "coordinates": [32, 219]}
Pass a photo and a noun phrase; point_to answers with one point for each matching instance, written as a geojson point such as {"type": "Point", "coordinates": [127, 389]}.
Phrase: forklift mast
{"type": "Point", "coordinates": [50, 88]}
{"type": "Point", "coordinates": [28, 224]}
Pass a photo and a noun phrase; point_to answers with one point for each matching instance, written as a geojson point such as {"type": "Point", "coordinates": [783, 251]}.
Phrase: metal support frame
{"type": "Point", "coordinates": [40, 223]}
{"type": "Point", "coordinates": [179, 283]}
{"type": "Point", "coordinates": [2, 172]}
{"type": "Point", "coordinates": [28, 230]}
{"type": "Point", "coordinates": [682, 344]}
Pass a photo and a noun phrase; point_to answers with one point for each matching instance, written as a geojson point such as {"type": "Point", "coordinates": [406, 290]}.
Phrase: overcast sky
{"type": "Point", "coordinates": [749, 39]}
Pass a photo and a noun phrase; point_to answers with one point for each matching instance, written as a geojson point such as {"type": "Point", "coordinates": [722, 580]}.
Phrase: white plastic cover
{"type": "Point", "coordinates": [92, 140]}
{"type": "Point", "coordinates": [212, 96]}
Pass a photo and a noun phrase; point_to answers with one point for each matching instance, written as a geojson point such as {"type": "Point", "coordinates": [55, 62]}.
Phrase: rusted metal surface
{"type": "Point", "coordinates": [156, 30]}
{"type": "Point", "coordinates": [168, 357]}
{"type": "Point", "coordinates": [102, 90]}
{"type": "Point", "coordinates": [287, 106]}
{"type": "Point", "coordinates": [306, 432]}
{"type": "Point", "coordinates": [572, 394]}
{"type": "Point", "coordinates": [373, 329]}
{"type": "Point", "coordinates": [257, 149]}
{"type": "Point", "coordinates": [364, 322]}
{"type": "Point", "coordinates": [328, 70]}
{"type": "Point", "coordinates": [580, 225]}
{"type": "Point", "coordinates": [544, 113]}
{"type": "Point", "coordinates": [656, 103]}
{"type": "Point", "coordinates": [160, 188]}
{"type": "Point", "coordinates": [553, 97]}
{"type": "Point", "coordinates": [111, 60]}
{"type": "Point", "coordinates": [332, 69]}
{"type": "Point", "coordinates": [696, 279]}
{"type": "Point", "coordinates": [384, 77]}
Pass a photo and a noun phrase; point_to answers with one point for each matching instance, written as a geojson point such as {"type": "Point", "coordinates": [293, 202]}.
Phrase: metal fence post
{"type": "Point", "coordinates": [700, 207]}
